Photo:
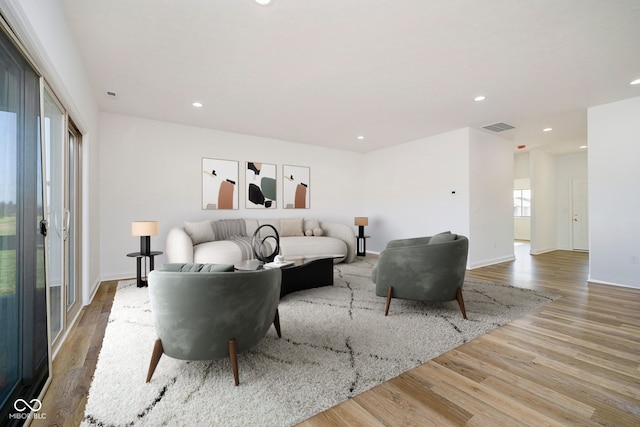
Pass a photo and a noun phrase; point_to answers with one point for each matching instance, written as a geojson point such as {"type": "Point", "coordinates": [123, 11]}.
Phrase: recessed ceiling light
{"type": "Point", "coordinates": [635, 82]}
{"type": "Point", "coordinates": [582, 147]}
{"type": "Point", "coordinates": [479, 98]}
{"type": "Point", "coordinates": [547, 130]}
{"type": "Point", "coordinates": [263, 2]}
{"type": "Point", "coordinates": [197, 104]}
{"type": "Point", "coordinates": [360, 137]}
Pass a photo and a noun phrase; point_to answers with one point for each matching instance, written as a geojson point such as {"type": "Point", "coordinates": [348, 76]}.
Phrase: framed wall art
{"type": "Point", "coordinates": [296, 187]}
{"type": "Point", "coordinates": [219, 184]}
{"type": "Point", "coordinates": [260, 185]}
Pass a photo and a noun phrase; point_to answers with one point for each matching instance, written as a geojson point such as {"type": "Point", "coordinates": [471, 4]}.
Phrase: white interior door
{"type": "Point", "coordinates": [580, 216]}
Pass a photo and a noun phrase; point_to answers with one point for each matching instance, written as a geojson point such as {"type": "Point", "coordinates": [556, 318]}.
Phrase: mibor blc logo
{"type": "Point", "coordinates": [25, 408]}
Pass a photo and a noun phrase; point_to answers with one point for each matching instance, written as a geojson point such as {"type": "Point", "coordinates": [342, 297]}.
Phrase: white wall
{"type": "Point", "coordinates": [614, 198]}
{"type": "Point", "coordinates": [522, 166]}
{"type": "Point", "coordinates": [459, 181]}
{"type": "Point", "coordinates": [152, 170]}
{"type": "Point", "coordinates": [543, 202]}
{"type": "Point", "coordinates": [42, 28]}
{"type": "Point", "coordinates": [568, 168]}
{"type": "Point", "coordinates": [491, 199]}
{"type": "Point", "coordinates": [409, 189]}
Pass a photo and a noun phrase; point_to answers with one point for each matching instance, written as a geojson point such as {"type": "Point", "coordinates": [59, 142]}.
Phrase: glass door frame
{"type": "Point", "coordinates": [71, 257]}
{"type": "Point", "coordinates": [34, 359]}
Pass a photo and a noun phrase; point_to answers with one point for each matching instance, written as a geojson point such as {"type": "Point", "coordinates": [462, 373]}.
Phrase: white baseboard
{"type": "Point", "coordinates": [543, 251]}
{"type": "Point", "coordinates": [491, 262]}
{"type": "Point", "coordinates": [116, 276]}
{"type": "Point", "coordinates": [94, 290]}
{"type": "Point", "coordinates": [602, 282]}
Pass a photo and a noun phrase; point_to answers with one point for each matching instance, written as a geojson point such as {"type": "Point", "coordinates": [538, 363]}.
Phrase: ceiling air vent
{"type": "Point", "coordinates": [498, 127]}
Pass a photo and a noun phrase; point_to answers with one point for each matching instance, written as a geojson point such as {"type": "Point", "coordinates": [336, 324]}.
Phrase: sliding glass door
{"type": "Point", "coordinates": [62, 169]}
{"type": "Point", "coordinates": [24, 361]}
{"type": "Point", "coordinates": [54, 136]}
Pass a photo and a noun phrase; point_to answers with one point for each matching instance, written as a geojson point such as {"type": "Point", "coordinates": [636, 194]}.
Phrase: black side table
{"type": "Point", "coordinates": [361, 243]}
{"type": "Point", "coordinates": [138, 255]}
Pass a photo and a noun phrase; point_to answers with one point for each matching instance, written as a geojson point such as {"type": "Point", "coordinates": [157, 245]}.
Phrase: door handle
{"type": "Point", "coordinates": [43, 227]}
{"type": "Point", "coordinates": [67, 222]}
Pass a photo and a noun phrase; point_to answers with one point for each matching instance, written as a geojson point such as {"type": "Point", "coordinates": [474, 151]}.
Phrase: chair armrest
{"type": "Point", "coordinates": [179, 247]}
{"type": "Point", "coordinates": [409, 242]}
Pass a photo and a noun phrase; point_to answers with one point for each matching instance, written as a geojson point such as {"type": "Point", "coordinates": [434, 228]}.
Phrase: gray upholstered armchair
{"type": "Point", "coordinates": [423, 269]}
{"type": "Point", "coordinates": [207, 311]}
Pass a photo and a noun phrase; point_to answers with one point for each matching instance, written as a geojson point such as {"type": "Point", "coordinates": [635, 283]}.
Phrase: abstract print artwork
{"type": "Point", "coordinates": [296, 187]}
{"type": "Point", "coordinates": [219, 184]}
{"type": "Point", "coordinates": [261, 185]}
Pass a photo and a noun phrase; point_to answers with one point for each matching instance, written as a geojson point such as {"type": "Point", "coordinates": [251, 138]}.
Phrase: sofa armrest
{"type": "Point", "coordinates": [179, 247]}
{"type": "Point", "coordinates": [344, 233]}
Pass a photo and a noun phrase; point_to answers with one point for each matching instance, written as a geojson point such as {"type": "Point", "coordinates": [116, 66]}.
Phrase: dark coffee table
{"type": "Point", "coordinates": [299, 273]}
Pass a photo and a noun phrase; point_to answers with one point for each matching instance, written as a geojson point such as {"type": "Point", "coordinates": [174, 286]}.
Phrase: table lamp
{"type": "Point", "coordinates": [361, 221]}
{"type": "Point", "coordinates": [144, 229]}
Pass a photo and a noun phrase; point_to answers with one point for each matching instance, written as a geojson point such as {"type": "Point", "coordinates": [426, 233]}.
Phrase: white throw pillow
{"type": "Point", "coordinates": [291, 227]}
{"type": "Point", "coordinates": [310, 225]}
{"type": "Point", "coordinates": [200, 232]}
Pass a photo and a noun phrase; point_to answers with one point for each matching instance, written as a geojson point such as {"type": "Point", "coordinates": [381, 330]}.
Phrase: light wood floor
{"type": "Point", "coordinates": [576, 362]}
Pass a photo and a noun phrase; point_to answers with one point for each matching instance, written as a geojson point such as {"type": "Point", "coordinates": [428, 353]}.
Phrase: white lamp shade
{"type": "Point", "coordinates": [144, 228]}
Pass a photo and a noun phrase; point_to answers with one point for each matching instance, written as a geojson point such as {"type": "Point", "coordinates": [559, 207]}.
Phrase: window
{"type": "Point", "coordinates": [24, 351]}
{"type": "Point", "coordinates": [521, 202]}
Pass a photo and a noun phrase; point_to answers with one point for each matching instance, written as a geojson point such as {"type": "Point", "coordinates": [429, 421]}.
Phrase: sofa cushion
{"type": "Point", "coordinates": [291, 227]}
{"type": "Point", "coordinates": [218, 252]}
{"type": "Point", "coordinates": [301, 246]}
{"type": "Point", "coordinates": [200, 232]}
{"type": "Point", "coordinates": [447, 236]}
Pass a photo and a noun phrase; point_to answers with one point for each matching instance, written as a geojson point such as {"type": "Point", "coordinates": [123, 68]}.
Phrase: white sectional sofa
{"type": "Point", "coordinates": [229, 241]}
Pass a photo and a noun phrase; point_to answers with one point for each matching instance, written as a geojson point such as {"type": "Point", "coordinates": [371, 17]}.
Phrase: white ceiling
{"type": "Point", "coordinates": [323, 72]}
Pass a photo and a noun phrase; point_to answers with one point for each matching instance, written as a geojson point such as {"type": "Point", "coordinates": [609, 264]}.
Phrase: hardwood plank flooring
{"type": "Point", "coordinates": [575, 362]}
{"type": "Point", "coordinates": [75, 363]}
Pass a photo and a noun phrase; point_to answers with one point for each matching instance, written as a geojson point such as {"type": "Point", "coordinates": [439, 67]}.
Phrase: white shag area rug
{"type": "Point", "coordinates": [336, 343]}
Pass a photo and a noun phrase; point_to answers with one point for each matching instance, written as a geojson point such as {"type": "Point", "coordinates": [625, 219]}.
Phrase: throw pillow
{"type": "Point", "coordinates": [210, 268]}
{"type": "Point", "coordinates": [200, 232]}
{"type": "Point", "coordinates": [310, 225]}
{"type": "Point", "coordinates": [196, 268]}
{"type": "Point", "coordinates": [447, 236]}
{"type": "Point", "coordinates": [318, 232]}
{"type": "Point", "coordinates": [291, 227]}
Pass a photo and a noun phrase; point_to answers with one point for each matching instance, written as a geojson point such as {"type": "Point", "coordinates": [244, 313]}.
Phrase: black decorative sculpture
{"type": "Point", "coordinates": [262, 250]}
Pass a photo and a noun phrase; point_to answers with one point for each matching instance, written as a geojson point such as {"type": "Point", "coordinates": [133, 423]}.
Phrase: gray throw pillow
{"type": "Point", "coordinates": [447, 236]}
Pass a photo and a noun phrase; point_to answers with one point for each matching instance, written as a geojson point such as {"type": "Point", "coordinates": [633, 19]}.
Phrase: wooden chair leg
{"type": "Point", "coordinates": [155, 358]}
{"type": "Point", "coordinates": [276, 323]}
{"type": "Point", "coordinates": [389, 292]}
{"type": "Point", "coordinates": [461, 303]}
{"type": "Point", "coordinates": [233, 357]}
